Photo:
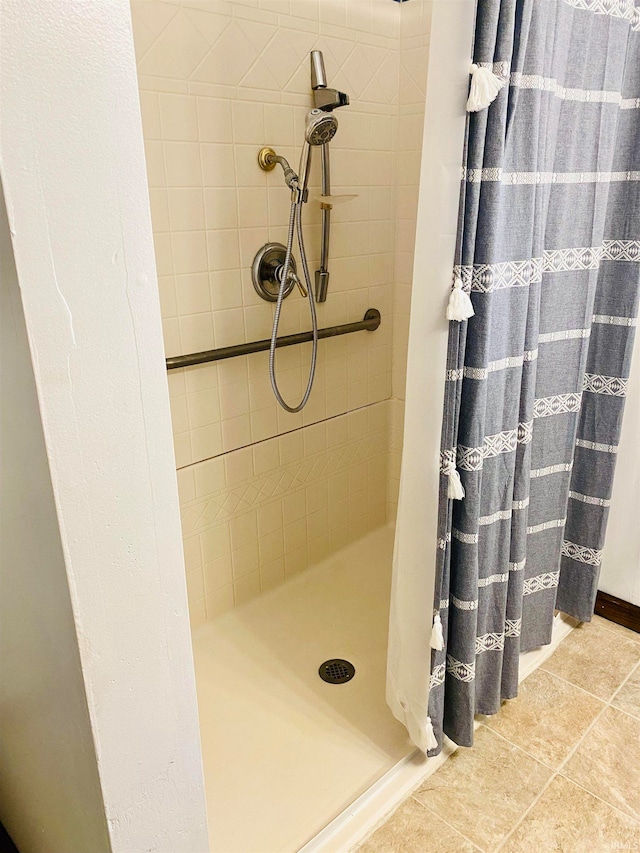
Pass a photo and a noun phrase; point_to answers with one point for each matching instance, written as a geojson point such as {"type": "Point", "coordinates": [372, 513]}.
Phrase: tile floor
{"type": "Point", "coordinates": [558, 769]}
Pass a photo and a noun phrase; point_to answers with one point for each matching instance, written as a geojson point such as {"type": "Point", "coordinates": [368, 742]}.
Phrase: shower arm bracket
{"type": "Point", "coordinates": [268, 160]}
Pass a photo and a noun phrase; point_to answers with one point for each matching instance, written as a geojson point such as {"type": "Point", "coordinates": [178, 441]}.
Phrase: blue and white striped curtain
{"type": "Point", "coordinates": [549, 250]}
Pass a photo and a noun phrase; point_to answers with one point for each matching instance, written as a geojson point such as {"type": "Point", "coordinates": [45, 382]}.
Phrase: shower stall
{"type": "Point", "coordinates": [292, 521]}
{"type": "Point", "coordinates": [287, 512]}
{"type": "Point", "coordinates": [288, 391]}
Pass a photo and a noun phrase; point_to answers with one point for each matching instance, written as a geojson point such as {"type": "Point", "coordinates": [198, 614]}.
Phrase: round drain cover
{"type": "Point", "coordinates": [336, 671]}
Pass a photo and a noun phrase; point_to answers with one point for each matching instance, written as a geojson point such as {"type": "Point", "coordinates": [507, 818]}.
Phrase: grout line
{"type": "Point", "coordinates": [551, 778]}
{"type": "Point", "coordinates": [288, 432]}
{"type": "Point", "coordinates": [613, 630]}
{"type": "Point", "coordinates": [522, 749]}
{"type": "Point", "coordinates": [579, 743]}
{"type": "Point", "coordinates": [633, 716]}
{"type": "Point", "coordinates": [525, 813]}
{"type": "Point", "coordinates": [595, 796]}
{"type": "Point", "coordinates": [577, 686]}
{"type": "Point", "coordinates": [568, 757]}
{"type": "Point", "coordinates": [444, 820]}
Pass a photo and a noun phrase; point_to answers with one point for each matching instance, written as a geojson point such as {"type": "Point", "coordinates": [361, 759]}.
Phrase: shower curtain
{"type": "Point", "coordinates": [549, 251]}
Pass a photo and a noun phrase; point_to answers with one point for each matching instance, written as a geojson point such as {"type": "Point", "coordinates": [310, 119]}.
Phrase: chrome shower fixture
{"type": "Point", "coordinates": [324, 99]}
{"type": "Point", "coordinates": [273, 272]}
{"type": "Point", "coordinates": [268, 160]}
{"type": "Point", "coordinates": [320, 129]}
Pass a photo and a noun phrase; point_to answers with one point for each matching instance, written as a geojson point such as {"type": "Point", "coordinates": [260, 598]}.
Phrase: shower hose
{"type": "Point", "coordinates": [295, 224]}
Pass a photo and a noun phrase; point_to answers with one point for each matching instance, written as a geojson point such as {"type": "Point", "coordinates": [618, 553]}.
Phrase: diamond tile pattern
{"type": "Point", "coordinates": [226, 503]}
{"type": "Point", "coordinates": [205, 46]}
{"type": "Point", "coordinates": [245, 530]}
{"type": "Point", "coordinates": [218, 80]}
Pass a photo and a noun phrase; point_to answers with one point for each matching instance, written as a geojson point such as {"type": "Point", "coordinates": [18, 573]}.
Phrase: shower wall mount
{"type": "Point", "coordinates": [321, 127]}
{"type": "Point", "coordinates": [274, 270]}
{"type": "Point", "coordinates": [268, 269]}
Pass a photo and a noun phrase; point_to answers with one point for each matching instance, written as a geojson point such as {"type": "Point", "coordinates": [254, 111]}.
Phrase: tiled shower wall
{"type": "Point", "coordinates": [264, 492]}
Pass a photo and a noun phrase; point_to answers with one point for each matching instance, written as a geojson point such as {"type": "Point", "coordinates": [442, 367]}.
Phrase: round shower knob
{"type": "Point", "coordinates": [266, 271]}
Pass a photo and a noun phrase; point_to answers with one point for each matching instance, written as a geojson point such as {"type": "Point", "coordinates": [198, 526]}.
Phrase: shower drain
{"type": "Point", "coordinates": [336, 671]}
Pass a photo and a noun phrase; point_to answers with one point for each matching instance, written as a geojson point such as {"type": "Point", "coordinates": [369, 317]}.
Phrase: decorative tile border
{"type": "Point", "coordinates": [261, 514]}
{"type": "Point", "coordinates": [230, 501]}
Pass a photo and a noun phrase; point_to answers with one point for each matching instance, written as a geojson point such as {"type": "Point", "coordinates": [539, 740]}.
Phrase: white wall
{"type": "Point", "coordinates": [49, 786]}
{"type": "Point", "coordinates": [76, 193]}
{"type": "Point", "coordinates": [408, 666]}
{"type": "Point", "coordinates": [620, 575]}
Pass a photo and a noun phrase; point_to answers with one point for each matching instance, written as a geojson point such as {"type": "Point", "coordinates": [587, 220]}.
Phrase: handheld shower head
{"type": "Point", "coordinates": [321, 127]}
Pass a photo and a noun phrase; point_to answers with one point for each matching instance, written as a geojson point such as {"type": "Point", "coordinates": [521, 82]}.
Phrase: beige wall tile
{"type": "Point", "coordinates": [218, 81]}
{"type": "Point", "coordinates": [186, 208]}
{"type": "Point", "coordinates": [189, 251]}
{"type": "Point", "coordinates": [271, 574]}
{"type": "Point", "coordinates": [223, 249]}
{"type": "Point", "coordinates": [218, 165]}
{"type": "Point", "coordinates": [217, 573]}
{"type": "Point", "coordinates": [219, 601]}
{"type": "Point", "coordinates": [203, 408]}
{"type": "Point", "coordinates": [246, 588]}
{"type": "Point", "coordinates": [221, 208]}
{"type": "Point", "coordinates": [197, 613]}
{"type": "Point", "coordinates": [245, 560]}
{"type": "Point", "coordinates": [193, 293]}
{"type": "Point", "coordinates": [206, 440]}
{"type": "Point", "coordinates": [196, 332]}
{"type": "Point", "coordinates": [178, 116]}
{"type": "Point", "coordinates": [214, 120]}
{"type": "Point", "coordinates": [182, 164]}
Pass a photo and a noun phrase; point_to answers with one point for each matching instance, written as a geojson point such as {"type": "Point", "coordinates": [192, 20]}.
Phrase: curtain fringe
{"type": "Point", "coordinates": [460, 307]}
{"type": "Point", "coordinates": [437, 637]}
{"type": "Point", "coordinates": [455, 488]}
{"type": "Point", "coordinates": [431, 741]}
{"type": "Point", "coordinates": [484, 89]}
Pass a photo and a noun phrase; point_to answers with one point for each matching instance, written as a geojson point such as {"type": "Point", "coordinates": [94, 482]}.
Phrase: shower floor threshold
{"type": "Point", "coordinates": [284, 752]}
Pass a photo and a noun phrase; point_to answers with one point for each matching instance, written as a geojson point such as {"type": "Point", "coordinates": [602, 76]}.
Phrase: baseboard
{"type": "Point", "coordinates": [618, 611]}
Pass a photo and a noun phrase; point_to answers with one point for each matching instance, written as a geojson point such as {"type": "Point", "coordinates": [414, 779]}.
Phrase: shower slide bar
{"type": "Point", "coordinates": [369, 323]}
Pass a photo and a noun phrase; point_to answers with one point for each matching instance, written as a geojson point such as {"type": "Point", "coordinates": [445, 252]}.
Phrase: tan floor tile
{"type": "Point", "coordinates": [628, 697]}
{"type": "Point", "coordinates": [548, 717]}
{"type": "Point", "coordinates": [484, 791]}
{"type": "Point", "coordinates": [414, 829]}
{"type": "Point", "coordinates": [607, 762]}
{"type": "Point", "coordinates": [570, 820]}
{"type": "Point", "coordinates": [594, 658]}
{"type": "Point", "coordinates": [617, 629]}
